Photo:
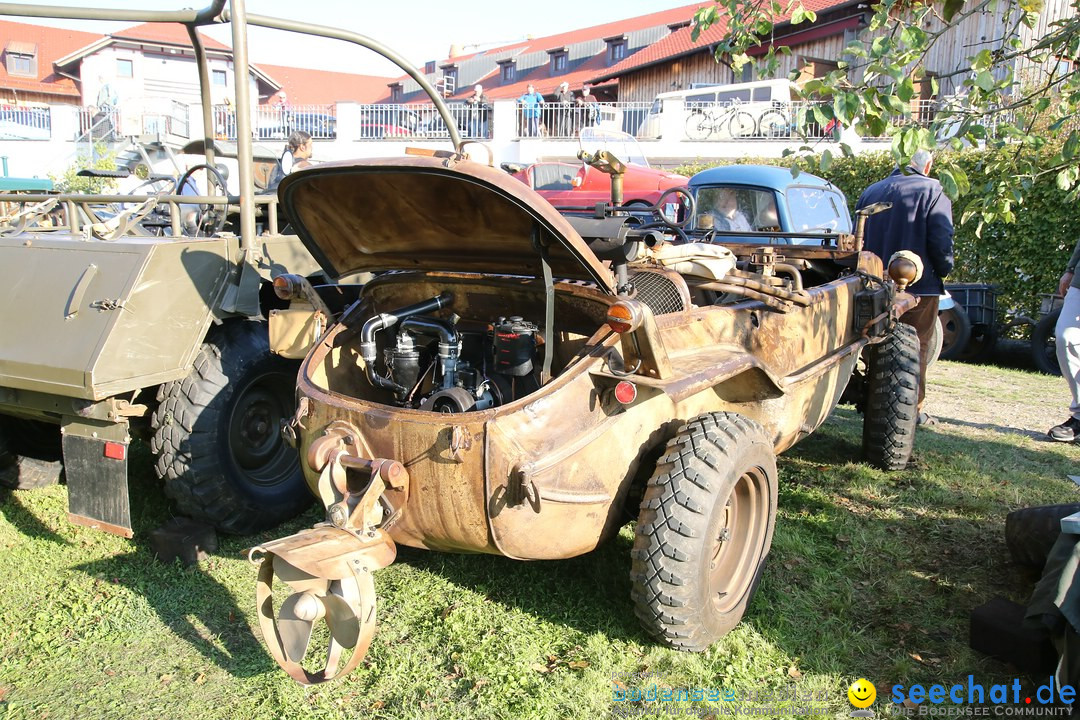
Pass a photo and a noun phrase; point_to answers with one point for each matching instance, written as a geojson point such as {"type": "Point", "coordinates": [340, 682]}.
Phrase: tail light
{"type": "Point", "coordinates": [625, 392]}
{"type": "Point", "coordinates": [624, 316]}
{"type": "Point", "coordinates": [288, 287]}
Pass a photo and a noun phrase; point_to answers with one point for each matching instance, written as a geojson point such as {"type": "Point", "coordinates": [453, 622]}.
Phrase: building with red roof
{"type": "Point", "coordinates": [151, 61]}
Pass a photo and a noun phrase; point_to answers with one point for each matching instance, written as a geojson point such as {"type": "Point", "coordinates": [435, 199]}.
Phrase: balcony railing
{"type": "Point", "coordinates": [25, 122]}
{"type": "Point", "coordinates": [273, 122]}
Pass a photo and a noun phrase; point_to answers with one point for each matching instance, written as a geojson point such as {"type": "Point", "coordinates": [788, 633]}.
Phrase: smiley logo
{"type": "Point", "coordinates": [862, 693]}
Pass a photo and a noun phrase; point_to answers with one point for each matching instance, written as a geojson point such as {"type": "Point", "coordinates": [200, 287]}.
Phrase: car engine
{"type": "Point", "coordinates": [451, 366]}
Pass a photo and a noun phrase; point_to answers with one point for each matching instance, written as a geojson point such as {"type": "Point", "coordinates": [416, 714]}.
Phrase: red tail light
{"type": "Point", "coordinates": [626, 392]}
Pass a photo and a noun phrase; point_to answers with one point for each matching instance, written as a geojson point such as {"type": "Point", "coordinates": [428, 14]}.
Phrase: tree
{"type": "Point", "coordinates": [1021, 95]}
{"type": "Point", "coordinates": [69, 181]}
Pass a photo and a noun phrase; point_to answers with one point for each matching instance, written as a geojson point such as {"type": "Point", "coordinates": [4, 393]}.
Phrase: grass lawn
{"type": "Point", "coordinates": [871, 575]}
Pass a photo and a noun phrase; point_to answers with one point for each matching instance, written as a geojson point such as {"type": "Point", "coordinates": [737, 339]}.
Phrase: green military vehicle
{"type": "Point", "coordinates": [146, 316]}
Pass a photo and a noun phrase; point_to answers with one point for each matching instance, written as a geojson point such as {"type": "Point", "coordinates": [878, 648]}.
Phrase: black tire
{"type": "Point", "coordinates": [217, 434]}
{"type": "Point", "coordinates": [981, 346]}
{"type": "Point", "coordinates": [892, 399]}
{"type": "Point", "coordinates": [704, 531]}
{"type": "Point", "coordinates": [30, 454]}
{"type": "Point", "coordinates": [1031, 532]}
{"type": "Point", "coordinates": [1044, 345]}
{"type": "Point", "coordinates": [937, 338]}
{"type": "Point", "coordinates": [956, 327]}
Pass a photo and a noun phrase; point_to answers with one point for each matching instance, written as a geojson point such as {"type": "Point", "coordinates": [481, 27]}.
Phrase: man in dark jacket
{"type": "Point", "coordinates": [920, 221]}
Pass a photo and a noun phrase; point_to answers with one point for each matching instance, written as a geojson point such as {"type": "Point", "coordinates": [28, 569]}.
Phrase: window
{"type": "Point", "coordinates": [124, 68]}
{"type": "Point", "coordinates": [21, 58]}
{"type": "Point", "coordinates": [817, 209]}
{"type": "Point", "coordinates": [429, 67]}
{"type": "Point", "coordinates": [616, 51]}
{"type": "Point", "coordinates": [449, 80]}
{"type": "Point", "coordinates": [559, 63]}
{"type": "Point", "coordinates": [20, 64]}
{"type": "Point", "coordinates": [508, 72]}
{"type": "Point", "coordinates": [217, 77]}
{"type": "Point", "coordinates": [748, 72]}
{"type": "Point", "coordinates": [396, 94]}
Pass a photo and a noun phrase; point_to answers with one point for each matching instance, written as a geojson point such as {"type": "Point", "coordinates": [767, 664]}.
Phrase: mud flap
{"type": "Point", "coordinates": [96, 471]}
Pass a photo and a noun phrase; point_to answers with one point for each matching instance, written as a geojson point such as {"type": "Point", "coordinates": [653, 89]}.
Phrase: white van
{"type": "Point", "coordinates": [739, 108]}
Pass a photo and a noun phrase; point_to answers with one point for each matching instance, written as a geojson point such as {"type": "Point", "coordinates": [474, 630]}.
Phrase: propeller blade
{"type": "Point", "coordinates": [295, 632]}
{"type": "Point", "coordinates": [297, 579]}
{"type": "Point", "coordinates": [342, 621]}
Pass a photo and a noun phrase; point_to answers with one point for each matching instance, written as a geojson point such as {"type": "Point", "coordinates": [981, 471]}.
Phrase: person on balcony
{"type": "Point", "coordinates": [531, 104]}
{"type": "Point", "coordinates": [108, 101]}
{"type": "Point", "coordinates": [479, 106]}
{"type": "Point", "coordinates": [565, 99]}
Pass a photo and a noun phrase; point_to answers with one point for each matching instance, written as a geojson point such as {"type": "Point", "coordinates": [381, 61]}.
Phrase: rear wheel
{"type": "Point", "coordinates": [217, 434]}
{"type": "Point", "coordinates": [774, 124]}
{"type": "Point", "coordinates": [956, 333]}
{"type": "Point", "coordinates": [30, 453]}
{"type": "Point", "coordinates": [892, 399]}
{"type": "Point", "coordinates": [705, 528]}
{"type": "Point", "coordinates": [742, 125]}
{"type": "Point", "coordinates": [1044, 343]}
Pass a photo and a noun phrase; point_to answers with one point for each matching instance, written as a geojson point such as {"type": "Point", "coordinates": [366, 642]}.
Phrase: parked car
{"type": "Point", "coordinates": [581, 186]}
{"type": "Point", "coordinates": [798, 210]}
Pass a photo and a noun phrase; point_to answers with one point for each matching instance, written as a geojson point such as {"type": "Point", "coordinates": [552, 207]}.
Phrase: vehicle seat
{"type": "Point", "coordinates": [767, 219]}
{"type": "Point", "coordinates": [552, 177]}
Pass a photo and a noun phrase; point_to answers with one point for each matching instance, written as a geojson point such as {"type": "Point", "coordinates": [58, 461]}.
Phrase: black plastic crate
{"type": "Point", "coordinates": [978, 300]}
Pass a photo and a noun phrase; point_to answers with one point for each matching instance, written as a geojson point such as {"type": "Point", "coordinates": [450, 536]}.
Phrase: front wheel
{"type": "Point", "coordinates": [892, 399]}
{"type": "Point", "coordinates": [698, 126]}
{"type": "Point", "coordinates": [217, 434]}
{"type": "Point", "coordinates": [705, 528]}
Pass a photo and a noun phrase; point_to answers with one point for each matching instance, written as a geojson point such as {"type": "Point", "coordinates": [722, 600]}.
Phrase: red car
{"type": "Point", "coordinates": [576, 185]}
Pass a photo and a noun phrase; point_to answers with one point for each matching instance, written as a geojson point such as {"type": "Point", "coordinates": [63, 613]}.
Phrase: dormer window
{"type": "Point", "coordinates": [429, 67]}
{"type": "Point", "coordinates": [616, 49]}
{"type": "Point", "coordinates": [396, 94]}
{"type": "Point", "coordinates": [21, 58]}
{"type": "Point", "coordinates": [560, 60]}
{"type": "Point", "coordinates": [449, 80]}
{"type": "Point", "coordinates": [507, 72]}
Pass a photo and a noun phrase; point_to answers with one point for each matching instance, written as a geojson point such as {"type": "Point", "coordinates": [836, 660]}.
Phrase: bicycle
{"type": "Point", "coordinates": [728, 121]}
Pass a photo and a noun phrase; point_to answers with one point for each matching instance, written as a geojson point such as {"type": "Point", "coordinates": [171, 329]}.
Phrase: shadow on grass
{"type": "Point", "coordinates": [197, 608]}
{"type": "Point", "coordinates": [876, 573]}
{"type": "Point", "coordinates": [25, 521]}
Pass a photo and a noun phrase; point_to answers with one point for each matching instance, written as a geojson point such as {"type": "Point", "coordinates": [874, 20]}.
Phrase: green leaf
{"type": "Point", "coordinates": [846, 107]}
{"type": "Point", "coordinates": [985, 80]}
{"type": "Point", "coordinates": [948, 184]}
{"type": "Point", "coordinates": [982, 61]}
{"type": "Point", "coordinates": [952, 7]}
{"type": "Point", "coordinates": [826, 161]}
{"type": "Point", "coordinates": [905, 90]}
{"type": "Point", "coordinates": [798, 15]}
{"type": "Point", "coordinates": [1068, 150]}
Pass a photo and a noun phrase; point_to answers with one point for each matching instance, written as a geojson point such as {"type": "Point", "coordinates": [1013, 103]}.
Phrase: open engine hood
{"type": "Point", "coordinates": [427, 213]}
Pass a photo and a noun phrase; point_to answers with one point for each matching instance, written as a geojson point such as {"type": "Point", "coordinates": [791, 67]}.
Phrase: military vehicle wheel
{"type": "Point", "coordinates": [1044, 343]}
{"type": "Point", "coordinates": [956, 327]}
{"type": "Point", "coordinates": [892, 399]}
{"type": "Point", "coordinates": [705, 528]}
{"type": "Point", "coordinates": [217, 434]}
{"type": "Point", "coordinates": [30, 454]}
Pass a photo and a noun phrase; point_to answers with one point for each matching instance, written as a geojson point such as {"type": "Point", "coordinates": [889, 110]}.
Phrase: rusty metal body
{"type": "Point", "coordinates": [427, 417]}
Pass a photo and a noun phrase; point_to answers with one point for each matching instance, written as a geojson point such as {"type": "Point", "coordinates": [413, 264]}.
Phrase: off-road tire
{"type": "Point", "coordinates": [1043, 343]}
{"type": "Point", "coordinates": [30, 454]}
{"type": "Point", "coordinates": [892, 399]}
{"type": "Point", "coordinates": [1030, 533]}
{"type": "Point", "coordinates": [956, 332]}
{"type": "Point", "coordinates": [217, 434]}
{"type": "Point", "coordinates": [704, 531]}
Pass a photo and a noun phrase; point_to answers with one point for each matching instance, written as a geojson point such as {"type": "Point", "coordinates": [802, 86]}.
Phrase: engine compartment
{"type": "Point", "coordinates": [471, 346]}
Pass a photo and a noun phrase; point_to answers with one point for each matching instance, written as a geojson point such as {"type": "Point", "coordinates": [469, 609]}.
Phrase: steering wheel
{"type": "Point", "coordinates": [690, 207]}
{"type": "Point", "coordinates": [211, 218]}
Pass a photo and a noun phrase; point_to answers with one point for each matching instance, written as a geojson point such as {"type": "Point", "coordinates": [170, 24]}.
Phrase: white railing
{"type": "Point", "coordinates": [277, 122]}
{"type": "Point", "coordinates": [25, 122]}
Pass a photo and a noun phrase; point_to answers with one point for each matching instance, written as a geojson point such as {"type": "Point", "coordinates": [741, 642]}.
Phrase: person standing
{"type": "Point", "coordinates": [920, 221]}
{"type": "Point", "coordinates": [1067, 335]}
{"type": "Point", "coordinates": [565, 99]}
{"type": "Point", "coordinates": [592, 105]}
{"type": "Point", "coordinates": [478, 112]}
{"type": "Point", "coordinates": [531, 104]}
